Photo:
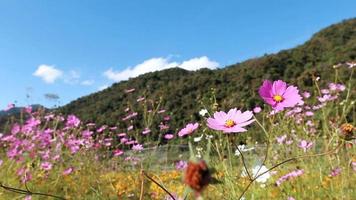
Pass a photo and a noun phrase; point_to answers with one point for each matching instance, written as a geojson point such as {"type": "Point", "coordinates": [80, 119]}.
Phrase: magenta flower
{"type": "Point", "coordinates": [189, 129]}
{"type": "Point", "coordinates": [278, 95]}
{"type": "Point", "coordinates": [231, 122]}
{"type": "Point", "coordinates": [118, 152]}
{"type": "Point", "coordinates": [72, 121]}
{"type": "Point", "coordinates": [181, 165]}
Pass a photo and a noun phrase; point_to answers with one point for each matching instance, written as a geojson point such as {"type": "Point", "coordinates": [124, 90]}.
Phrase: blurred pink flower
{"type": "Point", "coordinates": [46, 166]}
{"type": "Point", "coordinates": [257, 109]}
{"type": "Point", "coordinates": [168, 136]}
{"type": "Point", "coordinates": [1, 161]}
{"type": "Point", "coordinates": [278, 95]}
{"type": "Point", "coordinates": [181, 165]}
{"type": "Point", "coordinates": [28, 197]}
{"type": "Point", "coordinates": [137, 147]}
{"type": "Point", "coordinates": [146, 131]}
{"type": "Point", "coordinates": [118, 152]}
{"type": "Point", "coordinates": [289, 176]}
{"type": "Point", "coordinates": [140, 99]}
{"type": "Point", "coordinates": [353, 165]}
{"type": "Point", "coordinates": [305, 145]}
{"type": "Point", "coordinates": [281, 139]}
{"type": "Point", "coordinates": [306, 94]}
{"type": "Point", "coordinates": [335, 172]}
{"type": "Point", "coordinates": [72, 121]}
{"type": "Point", "coordinates": [121, 134]}
{"type": "Point", "coordinates": [188, 129]}
{"type": "Point", "coordinates": [9, 107]}
{"type": "Point", "coordinates": [129, 128]}
{"type": "Point", "coordinates": [231, 122]}
{"type": "Point", "coordinates": [68, 171]}
{"type": "Point", "coordinates": [309, 113]}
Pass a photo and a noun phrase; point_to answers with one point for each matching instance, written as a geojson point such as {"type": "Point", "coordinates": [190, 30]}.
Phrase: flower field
{"type": "Point", "coordinates": [307, 150]}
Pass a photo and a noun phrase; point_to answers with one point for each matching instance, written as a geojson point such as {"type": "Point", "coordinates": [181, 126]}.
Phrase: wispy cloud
{"type": "Point", "coordinates": [160, 63]}
{"type": "Point", "coordinates": [87, 82]}
{"type": "Point", "coordinates": [48, 73]}
{"type": "Point", "coordinates": [72, 77]}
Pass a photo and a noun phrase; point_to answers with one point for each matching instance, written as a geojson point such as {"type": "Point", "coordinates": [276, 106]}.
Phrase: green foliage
{"type": "Point", "coordinates": [236, 85]}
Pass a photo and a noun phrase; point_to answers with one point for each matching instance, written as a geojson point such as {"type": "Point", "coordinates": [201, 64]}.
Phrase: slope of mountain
{"type": "Point", "coordinates": [235, 85]}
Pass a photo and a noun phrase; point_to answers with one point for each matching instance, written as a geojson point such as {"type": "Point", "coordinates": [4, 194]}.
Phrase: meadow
{"type": "Point", "coordinates": [306, 150]}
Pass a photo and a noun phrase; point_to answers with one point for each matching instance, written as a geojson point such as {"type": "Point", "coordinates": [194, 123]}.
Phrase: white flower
{"type": "Point", "coordinates": [203, 112]}
{"type": "Point", "coordinates": [256, 171]}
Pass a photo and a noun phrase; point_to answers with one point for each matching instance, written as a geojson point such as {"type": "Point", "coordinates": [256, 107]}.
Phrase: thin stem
{"type": "Point", "coordinates": [285, 161]}
{"type": "Point", "coordinates": [28, 192]}
{"type": "Point", "coordinates": [243, 162]}
{"type": "Point", "coordinates": [159, 185]}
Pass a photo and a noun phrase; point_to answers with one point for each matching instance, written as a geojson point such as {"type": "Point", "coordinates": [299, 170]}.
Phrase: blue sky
{"type": "Point", "coordinates": [74, 48]}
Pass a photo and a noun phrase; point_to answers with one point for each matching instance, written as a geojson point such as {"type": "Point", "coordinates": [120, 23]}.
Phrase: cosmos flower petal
{"type": "Point", "coordinates": [279, 87]}
{"type": "Point", "coordinates": [265, 89]}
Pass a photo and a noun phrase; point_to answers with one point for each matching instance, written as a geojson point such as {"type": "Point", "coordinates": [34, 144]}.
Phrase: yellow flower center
{"type": "Point", "coordinates": [229, 123]}
{"type": "Point", "coordinates": [278, 98]}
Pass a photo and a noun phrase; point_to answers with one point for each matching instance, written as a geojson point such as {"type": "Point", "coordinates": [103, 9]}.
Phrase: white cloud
{"type": "Point", "coordinates": [72, 77]}
{"type": "Point", "coordinates": [87, 82]}
{"type": "Point", "coordinates": [156, 64]}
{"type": "Point", "coordinates": [48, 73]}
{"type": "Point", "coordinates": [198, 63]}
{"type": "Point", "coordinates": [103, 87]}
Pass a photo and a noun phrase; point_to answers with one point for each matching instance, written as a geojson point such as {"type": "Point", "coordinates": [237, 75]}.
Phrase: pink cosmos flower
{"type": "Point", "coordinates": [281, 139]}
{"type": "Point", "coordinates": [335, 172]}
{"type": "Point", "coordinates": [181, 165]}
{"type": "Point", "coordinates": [121, 134]}
{"type": "Point", "coordinates": [305, 145]}
{"type": "Point", "coordinates": [130, 128]}
{"type": "Point", "coordinates": [289, 176]}
{"type": "Point", "coordinates": [189, 129]}
{"type": "Point", "coordinates": [72, 121]}
{"type": "Point", "coordinates": [257, 109]}
{"type": "Point", "coordinates": [306, 94]}
{"type": "Point", "coordinates": [68, 171]}
{"type": "Point", "coordinates": [278, 95]}
{"type": "Point", "coordinates": [46, 166]}
{"type": "Point", "coordinates": [146, 131]}
{"type": "Point", "coordinates": [118, 152]}
{"type": "Point", "coordinates": [137, 147]}
{"type": "Point", "coordinates": [168, 136]}
{"type": "Point", "coordinates": [231, 122]}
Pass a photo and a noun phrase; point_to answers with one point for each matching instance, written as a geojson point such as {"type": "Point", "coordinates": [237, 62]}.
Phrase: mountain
{"type": "Point", "coordinates": [235, 86]}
